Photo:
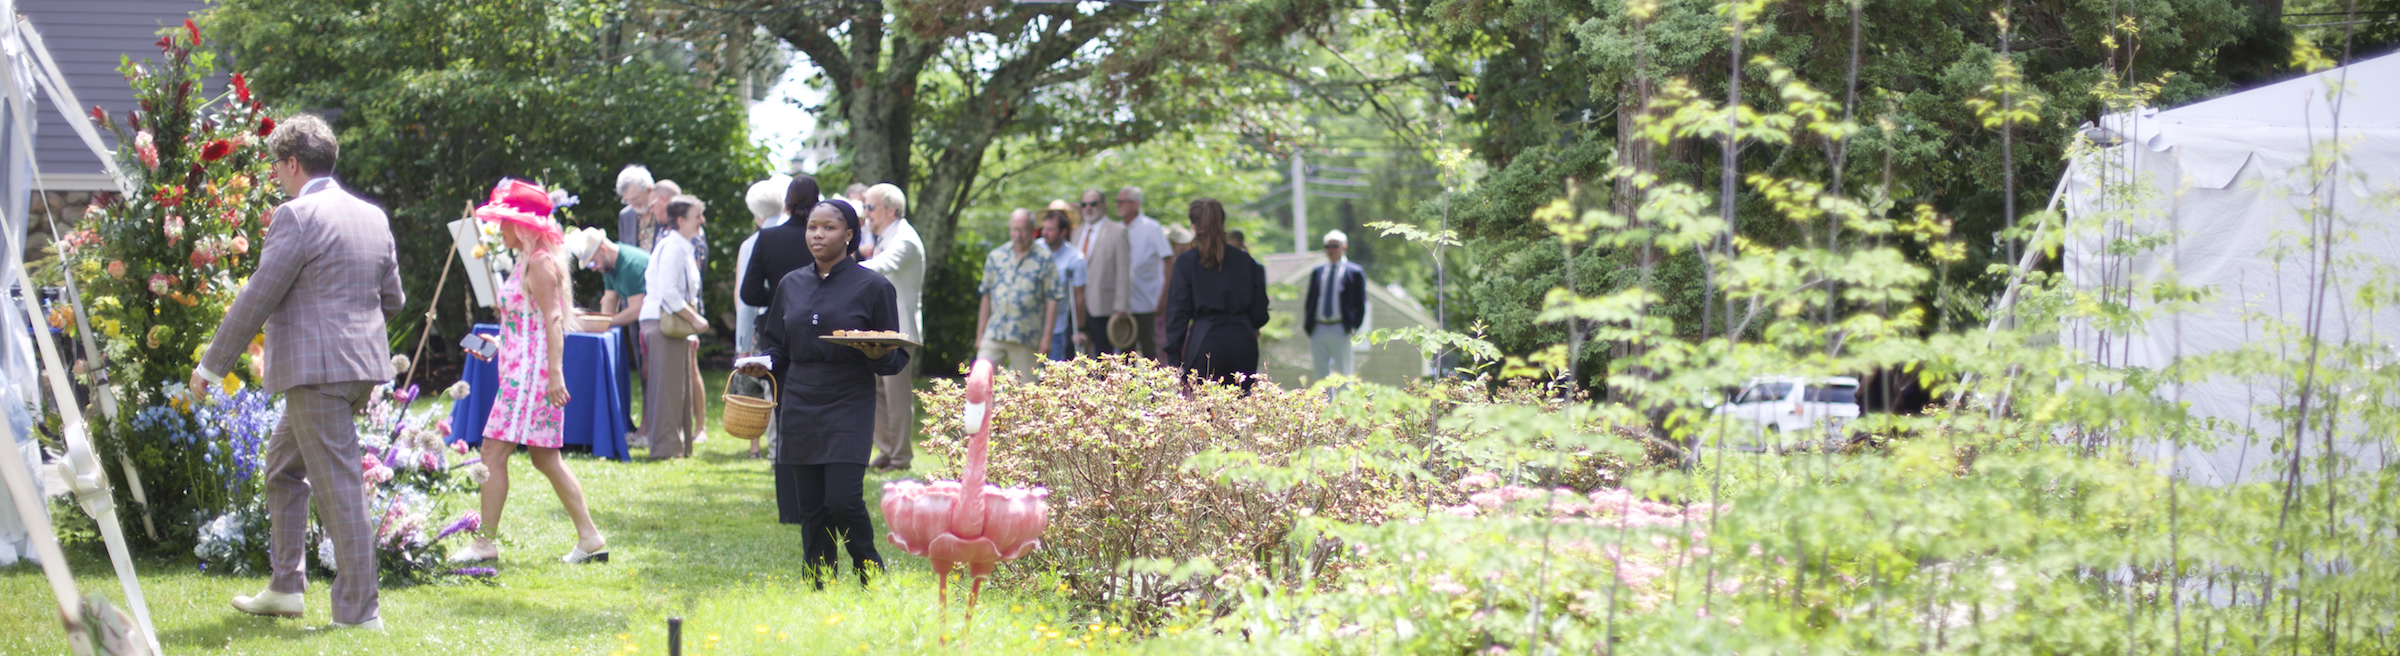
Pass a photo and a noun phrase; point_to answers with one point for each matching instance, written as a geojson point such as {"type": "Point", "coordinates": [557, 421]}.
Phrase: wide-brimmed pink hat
{"type": "Point", "coordinates": [521, 203]}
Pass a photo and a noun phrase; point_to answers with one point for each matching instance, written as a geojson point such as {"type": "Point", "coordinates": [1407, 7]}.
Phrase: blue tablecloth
{"type": "Point", "coordinates": [595, 417]}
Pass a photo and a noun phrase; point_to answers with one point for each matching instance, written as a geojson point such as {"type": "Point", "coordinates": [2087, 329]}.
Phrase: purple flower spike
{"type": "Point", "coordinates": [478, 572]}
{"type": "Point", "coordinates": [470, 522]}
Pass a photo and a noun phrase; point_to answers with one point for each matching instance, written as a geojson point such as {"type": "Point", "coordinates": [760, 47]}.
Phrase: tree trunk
{"type": "Point", "coordinates": [875, 93]}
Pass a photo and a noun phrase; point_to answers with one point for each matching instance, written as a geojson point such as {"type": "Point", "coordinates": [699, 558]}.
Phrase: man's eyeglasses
{"type": "Point", "coordinates": [870, 207]}
{"type": "Point", "coordinates": [1091, 203]}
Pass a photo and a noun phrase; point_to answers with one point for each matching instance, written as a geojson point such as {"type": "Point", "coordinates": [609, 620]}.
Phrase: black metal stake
{"type": "Point", "coordinates": [674, 636]}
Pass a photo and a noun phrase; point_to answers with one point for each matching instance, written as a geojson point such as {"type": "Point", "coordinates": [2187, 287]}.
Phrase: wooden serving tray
{"type": "Point", "coordinates": [886, 341]}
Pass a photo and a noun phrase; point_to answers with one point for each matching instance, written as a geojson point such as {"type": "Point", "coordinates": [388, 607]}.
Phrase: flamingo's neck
{"type": "Point", "coordinates": [969, 518]}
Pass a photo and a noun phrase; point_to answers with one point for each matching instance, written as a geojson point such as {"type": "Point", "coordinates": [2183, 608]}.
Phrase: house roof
{"type": "Point", "coordinates": [87, 38]}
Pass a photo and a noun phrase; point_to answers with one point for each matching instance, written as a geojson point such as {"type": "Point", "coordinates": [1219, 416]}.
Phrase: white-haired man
{"type": "Point", "coordinates": [900, 257]}
{"type": "Point", "coordinates": [1151, 254]}
{"type": "Point", "coordinates": [1337, 306]}
{"type": "Point", "coordinates": [765, 199]}
{"type": "Point", "coordinates": [633, 187]}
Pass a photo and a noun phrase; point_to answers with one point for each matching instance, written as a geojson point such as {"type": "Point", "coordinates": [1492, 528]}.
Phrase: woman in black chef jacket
{"type": "Point", "coordinates": [827, 420]}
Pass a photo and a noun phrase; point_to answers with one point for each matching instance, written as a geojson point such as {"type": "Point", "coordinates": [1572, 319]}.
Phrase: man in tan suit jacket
{"type": "Point", "coordinates": [327, 278]}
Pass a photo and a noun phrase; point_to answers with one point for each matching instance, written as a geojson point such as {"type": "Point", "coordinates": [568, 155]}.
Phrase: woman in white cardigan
{"type": "Point", "coordinates": [674, 288]}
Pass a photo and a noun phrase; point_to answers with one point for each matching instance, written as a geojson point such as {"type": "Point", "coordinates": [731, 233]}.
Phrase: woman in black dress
{"type": "Point", "coordinates": [1216, 303]}
{"type": "Point", "coordinates": [826, 418]}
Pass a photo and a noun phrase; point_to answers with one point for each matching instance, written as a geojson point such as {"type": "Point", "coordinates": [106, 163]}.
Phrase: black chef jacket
{"type": "Point", "coordinates": [827, 409]}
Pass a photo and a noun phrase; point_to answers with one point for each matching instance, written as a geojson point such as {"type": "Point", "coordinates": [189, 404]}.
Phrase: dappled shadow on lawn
{"type": "Point", "coordinates": [234, 626]}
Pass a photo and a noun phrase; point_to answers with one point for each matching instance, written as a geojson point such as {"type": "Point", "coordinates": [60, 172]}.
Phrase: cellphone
{"type": "Point", "coordinates": [482, 348]}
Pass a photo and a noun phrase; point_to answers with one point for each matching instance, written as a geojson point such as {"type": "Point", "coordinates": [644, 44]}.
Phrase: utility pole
{"type": "Point", "coordinates": [1299, 204]}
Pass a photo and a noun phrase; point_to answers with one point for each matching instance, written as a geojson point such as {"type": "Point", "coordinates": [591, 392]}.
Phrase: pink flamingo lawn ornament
{"type": "Point", "coordinates": [943, 521]}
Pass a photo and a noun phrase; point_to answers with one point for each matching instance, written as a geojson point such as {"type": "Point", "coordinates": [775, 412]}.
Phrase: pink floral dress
{"type": "Point", "coordinates": [521, 412]}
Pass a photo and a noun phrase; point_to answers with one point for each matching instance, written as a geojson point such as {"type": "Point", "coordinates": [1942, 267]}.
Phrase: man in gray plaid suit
{"type": "Point", "coordinates": [327, 277]}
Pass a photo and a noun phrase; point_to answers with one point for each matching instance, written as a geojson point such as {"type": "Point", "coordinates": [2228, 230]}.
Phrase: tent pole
{"type": "Point", "coordinates": [2016, 280]}
{"type": "Point", "coordinates": [63, 98]}
{"type": "Point", "coordinates": [89, 480]}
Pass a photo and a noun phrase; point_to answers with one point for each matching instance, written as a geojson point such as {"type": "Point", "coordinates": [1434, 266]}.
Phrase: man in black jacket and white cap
{"type": "Point", "coordinates": [1337, 306]}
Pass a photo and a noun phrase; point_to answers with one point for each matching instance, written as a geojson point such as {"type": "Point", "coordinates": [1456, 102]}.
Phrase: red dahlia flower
{"type": "Point", "coordinates": [266, 126]}
{"type": "Point", "coordinates": [216, 150]}
{"type": "Point", "coordinates": [241, 89]}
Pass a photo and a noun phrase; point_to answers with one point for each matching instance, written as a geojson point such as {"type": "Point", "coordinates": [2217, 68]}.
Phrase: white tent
{"type": "Point", "coordinates": [2225, 192]}
{"type": "Point", "coordinates": [28, 73]}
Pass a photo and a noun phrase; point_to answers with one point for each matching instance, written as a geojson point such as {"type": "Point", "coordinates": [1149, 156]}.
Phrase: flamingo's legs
{"type": "Point", "coordinates": [941, 591]}
{"type": "Point", "coordinates": [974, 590]}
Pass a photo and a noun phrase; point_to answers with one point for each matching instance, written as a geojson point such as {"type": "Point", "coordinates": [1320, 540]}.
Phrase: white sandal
{"type": "Point", "coordinates": [469, 555]}
{"type": "Point", "coordinates": [578, 555]}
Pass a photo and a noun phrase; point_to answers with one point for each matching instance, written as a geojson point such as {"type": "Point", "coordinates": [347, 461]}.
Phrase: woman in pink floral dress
{"type": "Point", "coordinates": [530, 405]}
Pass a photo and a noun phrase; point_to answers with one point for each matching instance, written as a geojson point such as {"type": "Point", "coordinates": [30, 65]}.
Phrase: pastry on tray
{"type": "Point", "coordinates": [886, 337]}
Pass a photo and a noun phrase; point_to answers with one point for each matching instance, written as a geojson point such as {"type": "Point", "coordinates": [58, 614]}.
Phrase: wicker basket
{"type": "Point", "coordinates": [594, 322]}
{"type": "Point", "coordinates": [745, 417]}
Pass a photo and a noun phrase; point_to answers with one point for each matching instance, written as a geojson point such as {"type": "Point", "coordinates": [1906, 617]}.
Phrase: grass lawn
{"type": "Point", "coordinates": [694, 538]}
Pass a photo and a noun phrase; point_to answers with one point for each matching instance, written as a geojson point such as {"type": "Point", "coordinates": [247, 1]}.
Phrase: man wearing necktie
{"type": "Point", "coordinates": [328, 278]}
{"type": "Point", "coordinates": [1337, 306]}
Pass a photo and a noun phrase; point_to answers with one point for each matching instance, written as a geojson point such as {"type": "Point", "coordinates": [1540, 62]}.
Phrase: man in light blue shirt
{"type": "Point", "coordinates": [1065, 336]}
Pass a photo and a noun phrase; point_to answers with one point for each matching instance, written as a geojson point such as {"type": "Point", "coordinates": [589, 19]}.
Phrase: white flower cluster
{"type": "Point", "coordinates": [220, 538]}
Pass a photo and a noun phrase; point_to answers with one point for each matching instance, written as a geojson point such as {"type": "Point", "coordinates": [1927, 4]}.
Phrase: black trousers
{"type": "Point", "coordinates": [1222, 351]}
{"type": "Point", "coordinates": [1096, 328]}
{"type": "Point", "coordinates": [833, 510]}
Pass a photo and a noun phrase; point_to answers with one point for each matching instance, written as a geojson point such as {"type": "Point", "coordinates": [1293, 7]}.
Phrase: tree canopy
{"type": "Point", "coordinates": [436, 100]}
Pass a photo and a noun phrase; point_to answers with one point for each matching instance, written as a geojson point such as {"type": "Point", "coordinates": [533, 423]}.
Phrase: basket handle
{"type": "Point", "coordinates": [771, 387]}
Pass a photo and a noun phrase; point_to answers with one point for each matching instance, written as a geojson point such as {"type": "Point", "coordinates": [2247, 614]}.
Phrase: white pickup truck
{"type": "Point", "coordinates": [1792, 404]}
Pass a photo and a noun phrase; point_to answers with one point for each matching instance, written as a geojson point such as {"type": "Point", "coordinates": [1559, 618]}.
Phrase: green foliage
{"type": "Point", "coordinates": [949, 306]}
{"type": "Point", "coordinates": [1561, 86]}
{"type": "Point", "coordinates": [440, 99]}
{"type": "Point", "coordinates": [2036, 513]}
{"type": "Point", "coordinates": [1110, 437]}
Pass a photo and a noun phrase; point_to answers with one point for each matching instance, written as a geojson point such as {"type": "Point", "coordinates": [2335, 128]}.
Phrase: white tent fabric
{"type": "Point", "coordinates": [24, 64]}
{"type": "Point", "coordinates": [2225, 190]}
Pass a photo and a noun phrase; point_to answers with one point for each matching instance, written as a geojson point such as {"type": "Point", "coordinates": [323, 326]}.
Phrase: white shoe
{"type": "Point", "coordinates": [272, 604]}
{"type": "Point", "coordinates": [375, 625]}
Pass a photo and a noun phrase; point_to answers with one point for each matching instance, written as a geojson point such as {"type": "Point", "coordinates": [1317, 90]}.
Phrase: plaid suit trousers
{"type": "Point", "coordinates": [314, 454]}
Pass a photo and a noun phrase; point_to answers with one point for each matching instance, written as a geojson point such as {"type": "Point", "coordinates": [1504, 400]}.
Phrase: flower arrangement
{"type": "Point", "coordinates": [159, 266]}
{"type": "Point", "coordinates": [409, 465]}
{"type": "Point", "coordinates": [404, 458]}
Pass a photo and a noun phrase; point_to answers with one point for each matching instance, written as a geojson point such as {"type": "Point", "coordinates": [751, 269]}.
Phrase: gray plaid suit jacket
{"type": "Point", "coordinates": [327, 276]}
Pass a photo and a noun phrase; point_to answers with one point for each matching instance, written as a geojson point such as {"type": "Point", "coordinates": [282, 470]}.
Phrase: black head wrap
{"type": "Point", "coordinates": [849, 219]}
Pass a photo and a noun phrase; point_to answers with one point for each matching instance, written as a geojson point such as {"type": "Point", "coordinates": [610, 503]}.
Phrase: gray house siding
{"type": "Point", "coordinates": [87, 38]}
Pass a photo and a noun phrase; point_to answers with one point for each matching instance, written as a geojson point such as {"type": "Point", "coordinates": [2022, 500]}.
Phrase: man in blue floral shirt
{"type": "Point", "coordinates": [1020, 299]}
